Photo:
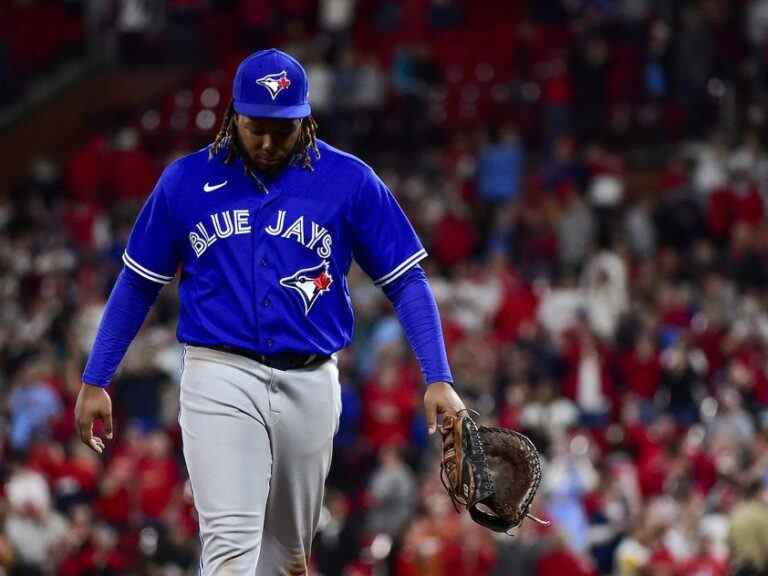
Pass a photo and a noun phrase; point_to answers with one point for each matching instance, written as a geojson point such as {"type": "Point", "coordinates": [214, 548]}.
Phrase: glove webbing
{"type": "Point", "coordinates": [532, 457]}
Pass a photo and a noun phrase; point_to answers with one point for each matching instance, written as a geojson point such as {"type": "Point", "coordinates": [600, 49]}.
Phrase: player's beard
{"type": "Point", "coordinates": [251, 164]}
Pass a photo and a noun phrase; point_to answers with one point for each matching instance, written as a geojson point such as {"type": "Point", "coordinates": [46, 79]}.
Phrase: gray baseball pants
{"type": "Point", "coordinates": [257, 443]}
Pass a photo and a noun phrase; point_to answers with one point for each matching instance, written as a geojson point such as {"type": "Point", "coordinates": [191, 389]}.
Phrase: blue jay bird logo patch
{"type": "Point", "coordinates": [309, 283]}
{"type": "Point", "coordinates": [274, 83]}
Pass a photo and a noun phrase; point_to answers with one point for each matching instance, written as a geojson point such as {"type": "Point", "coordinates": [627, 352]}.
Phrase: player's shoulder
{"type": "Point", "coordinates": [180, 169]}
{"type": "Point", "coordinates": [342, 163]}
{"type": "Point", "coordinates": [185, 165]}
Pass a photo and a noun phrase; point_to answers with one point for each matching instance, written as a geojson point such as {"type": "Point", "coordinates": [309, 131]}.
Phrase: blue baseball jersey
{"type": "Point", "coordinates": [262, 261]}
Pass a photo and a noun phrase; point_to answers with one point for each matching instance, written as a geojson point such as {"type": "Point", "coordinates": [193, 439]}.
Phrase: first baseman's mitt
{"type": "Point", "coordinates": [493, 472]}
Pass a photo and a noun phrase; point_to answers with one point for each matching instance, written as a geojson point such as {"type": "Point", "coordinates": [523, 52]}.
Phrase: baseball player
{"type": "Point", "coordinates": [261, 227]}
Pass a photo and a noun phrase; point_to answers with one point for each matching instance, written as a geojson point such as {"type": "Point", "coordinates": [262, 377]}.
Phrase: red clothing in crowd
{"type": "Point", "coordinates": [454, 240]}
{"type": "Point", "coordinates": [80, 220]}
{"type": "Point", "coordinates": [93, 560]}
{"type": "Point", "coordinates": [519, 305]}
{"type": "Point", "coordinates": [573, 355]}
{"type": "Point", "coordinates": [641, 373]}
{"type": "Point", "coordinates": [560, 562]}
{"type": "Point", "coordinates": [449, 558]}
{"type": "Point", "coordinates": [652, 461]}
{"type": "Point", "coordinates": [703, 565]}
{"type": "Point", "coordinates": [157, 479]}
{"type": "Point", "coordinates": [704, 471]}
{"type": "Point", "coordinates": [87, 170]}
{"type": "Point", "coordinates": [710, 342]}
{"type": "Point", "coordinates": [750, 357]}
{"type": "Point", "coordinates": [389, 403]}
{"type": "Point", "coordinates": [115, 501]}
{"type": "Point", "coordinates": [662, 563]}
{"type": "Point", "coordinates": [727, 206]}
{"type": "Point", "coordinates": [133, 175]}
{"type": "Point", "coordinates": [509, 415]}
{"type": "Point", "coordinates": [115, 505]}
{"type": "Point", "coordinates": [77, 475]}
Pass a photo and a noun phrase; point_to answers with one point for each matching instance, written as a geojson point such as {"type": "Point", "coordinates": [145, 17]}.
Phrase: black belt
{"type": "Point", "coordinates": [279, 361]}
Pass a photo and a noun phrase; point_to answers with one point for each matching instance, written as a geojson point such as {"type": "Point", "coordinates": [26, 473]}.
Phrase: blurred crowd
{"type": "Point", "coordinates": [59, 35]}
{"type": "Point", "coordinates": [595, 214]}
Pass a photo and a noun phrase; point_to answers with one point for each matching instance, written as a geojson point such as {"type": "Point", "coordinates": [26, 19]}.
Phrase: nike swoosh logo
{"type": "Point", "coordinates": [208, 188]}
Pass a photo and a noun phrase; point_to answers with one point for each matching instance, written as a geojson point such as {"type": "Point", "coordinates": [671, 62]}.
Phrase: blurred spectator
{"type": "Point", "coordinates": [135, 20]}
{"type": "Point", "coordinates": [748, 536]}
{"type": "Point", "coordinates": [337, 543]}
{"type": "Point", "coordinates": [445, 13]}
{"type": "Point", "coordinates": [336, 19]}
{"type": "Point", "coordinates": [641, 369]}
{"type": "Point", "coordinates": [575, 233]}
{"type": "Point", "coordinates": [710, 168]}
{"type": "Point", "coordinates": [391, 494]}
{"type": "Point", "coordinates": [570, 476]}
{"type": "Point", "coordinates": [633, 555]}
{"type": "Point", "coordinates": [36, 532]}
{"type": "Point", "coordinates": [589, 75]}
{"type": "Point", "coordinates": [388, 405]}
{"type": "Point", "coordinates": [734, 424]}
{"type": "Point", "coordinates": [90, 547]}
{"type": "Point", "coordinates": [322, 79]}
{"type": "Point", "coordinates": [680, 379]}
{"type": "Point", "coordinates": [157, 480]}
{"type": "Point", "coordinates": [184, 21]}
{"type": "Point", "coordinates": [694, 66]}
{"type": "Point", "coordinates": [499, 168]}
{"type": "Point", "coordinates": [605, 280]}
{"type": "Point", "coordinates": [129, 157]}
{"type": "Point", "coordinates": [435, 550]}
{"type": "Point", "coordinates": [255, 18]}
{"type": "Point", "coordinates": [520, 555]}
{"type": "Point", "coordinates": [33, 404]}
{"type": "Point", "coordinates": [588, 380]}
{"type": "Point", "coordinates": [558, 560]}
{"type": "Point", "coordinates": [454, 239]}
{"type": "Point", "coordinates": [639, 229]}
{"type": "Point", "coordinates": [547, 411]}
{"type": "Point", "coordinates": [74, 475]}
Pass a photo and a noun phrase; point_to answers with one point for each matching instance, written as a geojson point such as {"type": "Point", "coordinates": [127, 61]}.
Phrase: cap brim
{"type": "Point", "coordinates": [262, 111]}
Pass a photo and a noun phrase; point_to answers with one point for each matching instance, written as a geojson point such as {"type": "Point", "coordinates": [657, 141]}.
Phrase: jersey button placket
{"type": "Point", "coordinates": [255, 244]}
{"type": "Point", "coordinates": [261, 288]}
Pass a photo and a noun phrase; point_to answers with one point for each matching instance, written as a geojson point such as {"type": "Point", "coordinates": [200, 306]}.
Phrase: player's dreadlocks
{"type": "Point", "coordinates": [227, 139]}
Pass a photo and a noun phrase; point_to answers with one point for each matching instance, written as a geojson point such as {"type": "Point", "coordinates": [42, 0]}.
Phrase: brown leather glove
{"type": "Point", "coordinates": [493, 472]}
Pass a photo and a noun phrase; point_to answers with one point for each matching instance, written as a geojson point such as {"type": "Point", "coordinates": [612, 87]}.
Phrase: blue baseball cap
{"type": "Point", "coordinates": [271, 84]}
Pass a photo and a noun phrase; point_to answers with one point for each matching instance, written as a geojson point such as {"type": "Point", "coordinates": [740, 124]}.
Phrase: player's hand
{"type": "Point", "coordinates": [93, 403]}
{"type": "Point", "coordinates": [440, 399]}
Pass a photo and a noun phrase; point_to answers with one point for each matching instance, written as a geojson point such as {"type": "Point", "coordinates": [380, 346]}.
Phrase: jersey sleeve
{"type": "Point", "coordinates": [152, 251]}
{"type": "Point", "coordinates": [384, 243]}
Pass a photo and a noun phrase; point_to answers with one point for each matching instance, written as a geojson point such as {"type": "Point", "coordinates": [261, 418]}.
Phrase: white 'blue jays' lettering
{"type": "Point", "coordinates": [296, 231]}
{"type": "Point", "coordinates": [234, 222]}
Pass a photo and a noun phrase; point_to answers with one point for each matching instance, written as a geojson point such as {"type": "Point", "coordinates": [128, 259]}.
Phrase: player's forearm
{"type": "Point", "coordinates": [418, 314]}
{"type": "Point", "coordinates": [126, 309]}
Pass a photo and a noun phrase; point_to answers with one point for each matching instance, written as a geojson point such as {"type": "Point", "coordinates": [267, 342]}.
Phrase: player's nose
{"type": "Point", "coordinates": [264, 142]}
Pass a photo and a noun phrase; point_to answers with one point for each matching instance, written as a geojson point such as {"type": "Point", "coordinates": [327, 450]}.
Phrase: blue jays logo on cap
{"type": "Point", "coordinates": [274, 83]}
{"type": "Point", "coordinates": [265, 75]}
{"type": "Point", "coordinates": [310, 283]}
